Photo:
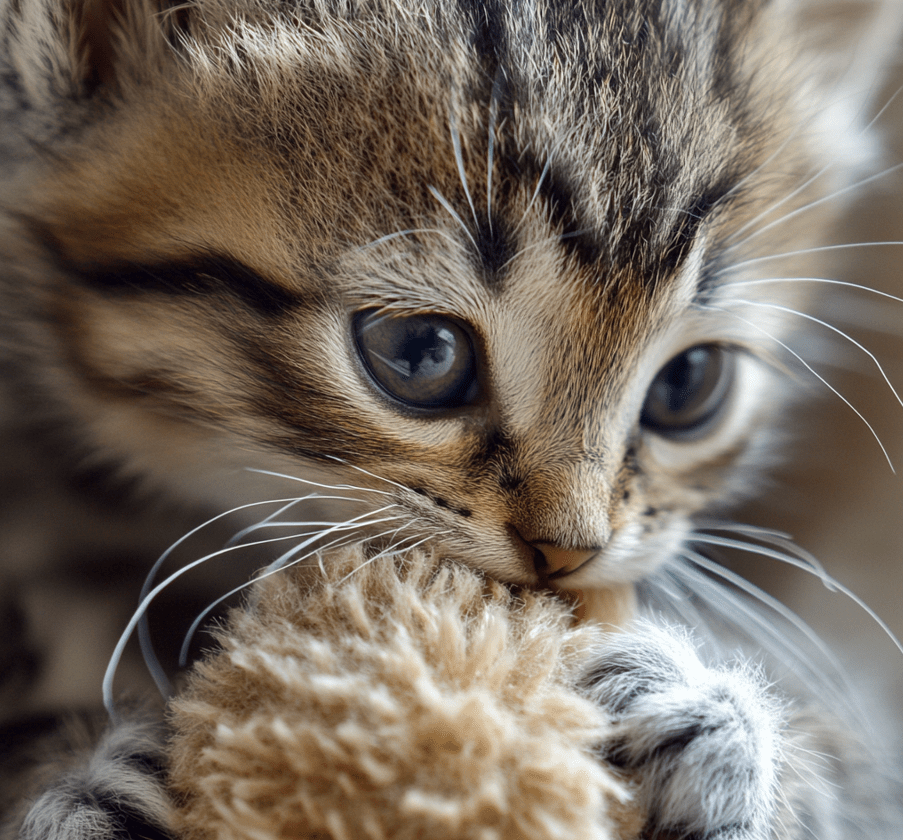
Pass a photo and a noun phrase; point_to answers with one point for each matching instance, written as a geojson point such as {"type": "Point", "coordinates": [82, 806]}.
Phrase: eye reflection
{"type": "Point", "coordinates": [687, 395]}
{"type": "Point", "coordinates": [424, 361]}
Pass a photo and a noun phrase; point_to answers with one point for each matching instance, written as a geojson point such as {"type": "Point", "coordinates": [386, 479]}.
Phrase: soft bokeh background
{"type": "Point", "coordinates": [837, 496]}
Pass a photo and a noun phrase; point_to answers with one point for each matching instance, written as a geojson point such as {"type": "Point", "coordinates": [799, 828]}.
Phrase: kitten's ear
{"type": "Point", "coordinates": [68, 50]}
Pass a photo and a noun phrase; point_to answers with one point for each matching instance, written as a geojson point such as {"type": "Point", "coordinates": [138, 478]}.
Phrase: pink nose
{"type": "Point", "coordinates": [557, 561]}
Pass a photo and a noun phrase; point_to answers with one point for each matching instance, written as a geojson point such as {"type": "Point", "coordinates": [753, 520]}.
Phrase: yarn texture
{"type": "Point", "coordinates": [400, 698]}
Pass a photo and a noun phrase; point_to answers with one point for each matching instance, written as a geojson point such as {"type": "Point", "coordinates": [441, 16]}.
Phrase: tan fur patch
{"type": "Point", "coordinates": [406, 700]}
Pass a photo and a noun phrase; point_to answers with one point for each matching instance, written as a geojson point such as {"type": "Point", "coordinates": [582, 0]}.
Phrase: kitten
{"type": "Point", "coordinates": [476, 275]}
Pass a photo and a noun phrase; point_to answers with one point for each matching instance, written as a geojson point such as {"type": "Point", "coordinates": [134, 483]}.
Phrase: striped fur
{"type": "Point", "coordinates": [198, 198]}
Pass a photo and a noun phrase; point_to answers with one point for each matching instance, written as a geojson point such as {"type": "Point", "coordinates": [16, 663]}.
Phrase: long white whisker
{"type": "Point", "coordinates": [813, 204]}
{"type": "Point", "coordinates": [768, 630]}
{"type": "Point", "coordinates": [524, 250]}
{"type": "Point", "coordinates": [303, 523]}
{"type": "Point", "coordinates": [339, 542]}
{"type": "Point", "coordinates": [831, 327]}
{"type": "Point", "coordinates": [392, 550]}
{"type": "Point", "coordinates": [390, 236]}
{"type": "Point", "coordinates": [829, 582]}
{"type": "Point", "coordinates": [826, 280]}
{"type": "Point", "coordinates": [186, 642]}
{"type": "Point", "coordinates": [330, 486]}
{"type": "Point", "coordinates": [821, 249]}
{"type": "Point", "coordinates": [490, 155]}
{"type": "Point", "coordinates": [355, 523]}
{"type": "Point", "coordinates": [459, 160]}
{"type": "Point", "coordinates": [761, 595]}
{"type": "Point", "coordinates": [817, 375]}
{"type": "Point", "coordinates": [144, 639]}
{"type": "Point", "coordinates": [779, 539]}
{"type": "Point", "coordinates": [148, 595]}
{"type": "Point", "coordinates": [880, 113]}
{"type": "Point", "coordinates": [271, 519]}
{"type": "Point", "coordinates": [451, 211]}
{"type": "Point", "coordinates": [542, 177]}
{"type": "Point", "coordinates": [368, 473]}
{"type": "Point", "coordinates": [773, 156]}
{"type": "Point", "coordinates": [165, 688]}
{"type": "Point", "coordinates": [775, 206]}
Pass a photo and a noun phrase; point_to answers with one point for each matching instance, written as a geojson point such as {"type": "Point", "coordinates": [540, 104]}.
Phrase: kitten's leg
{"type": "Point", "coordinates": [113, 793]}
{"type": "Point", "coordinates": [704, 744]}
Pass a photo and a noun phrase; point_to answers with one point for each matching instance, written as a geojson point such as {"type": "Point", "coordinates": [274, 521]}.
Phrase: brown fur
{"type": "Point", "coordinates": [198, 199]}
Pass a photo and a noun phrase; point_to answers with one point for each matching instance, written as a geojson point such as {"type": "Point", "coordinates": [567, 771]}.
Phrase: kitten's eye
{"type": "Point", "coordinates": [425, 361]}
{"type": "Point", "coordinates": [689, 392]}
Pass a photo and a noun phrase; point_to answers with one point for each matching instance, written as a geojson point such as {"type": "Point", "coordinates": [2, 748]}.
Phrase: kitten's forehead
{"type": "Point", "coordinates": [622, 116]}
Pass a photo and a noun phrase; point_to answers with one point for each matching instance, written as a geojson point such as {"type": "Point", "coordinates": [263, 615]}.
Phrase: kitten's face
{"type": "Point", "coordinates": [479, 280]}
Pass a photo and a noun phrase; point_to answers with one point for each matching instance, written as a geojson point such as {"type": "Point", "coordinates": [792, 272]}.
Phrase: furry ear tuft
{"type": "Point", "coordinates": [65, 51]}
{"type": "Point", "coordinates": [96, 40]}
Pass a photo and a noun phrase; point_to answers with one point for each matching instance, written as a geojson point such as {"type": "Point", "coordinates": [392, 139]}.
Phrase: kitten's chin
{"type": "Point", "coordinates": [614, 607]}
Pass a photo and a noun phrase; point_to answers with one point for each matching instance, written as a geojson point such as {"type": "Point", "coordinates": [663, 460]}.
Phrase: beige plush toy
{"type": "Point", "coordinates": [402, 698]}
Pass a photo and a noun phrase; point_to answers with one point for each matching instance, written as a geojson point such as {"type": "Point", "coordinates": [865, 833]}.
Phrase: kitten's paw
{"type": "Point", "coordinates": [118, 793]}
{"type": "Point", "coordinates": [703, 743]}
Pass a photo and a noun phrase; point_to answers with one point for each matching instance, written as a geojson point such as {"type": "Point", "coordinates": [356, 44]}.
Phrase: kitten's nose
{"type": "Point", "coordinates": [554, 561]}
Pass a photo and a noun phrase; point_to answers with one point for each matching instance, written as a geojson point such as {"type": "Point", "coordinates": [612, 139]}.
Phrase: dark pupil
{"type": "Point", "coordinates": [426, 351]}
{"type": "Point", "coordinates": [423, 360]}
{"type": "Point", "coordinates": [683, 379]}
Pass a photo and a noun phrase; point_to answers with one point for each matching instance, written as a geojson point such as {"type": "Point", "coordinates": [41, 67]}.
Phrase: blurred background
{"type": "Point", "coordinates": [837, 496]}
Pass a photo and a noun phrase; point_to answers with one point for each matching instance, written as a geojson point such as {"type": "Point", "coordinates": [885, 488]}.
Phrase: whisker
{"type": "Point", "coordinates": [331, 486]}
{"type": "Point", "coordinates": [271, 519]}
{"type": "Point", "coordinates": [779, 539]}
{"type": "Point", "coordinates": [880, 113]}
{"type": "Point", "coordinates": [772, 157]}
{"type": "Point", "coordinates": [490, 155]}
{"type": "Point", "coordinates": [813, 204]}
{"type": "Point", "coordinates": [390, 236]}
{"type": "Point", "coordinates": [339, 542]}
{"type": "Point", "coordinates": [790, 196]}
{"type": "Point", "coordinates": [163, 685]}
{"type": "Point", "coordinates": [459, 161]}
{"type": "Point", "coordinates": [817, 375]}
{"type": "Point", "coordinates": [355, 523]}
{"type": "Point", "coordinates": [368, 473]}
{"type": "Point", "coordinates": [524, 250]}
{"type": "Point", "coordinates": [147, 596]}
{"type": "Point", "coordinates": [778, 641]}
{"type": "Point", "coordinates": [762, 596]}
{"type": "Point", "coordinates": [397, 548]}
{"type": "Point", "coordinates": [802, 252]}
{"type": "Point", "coordinates": [826, 280]}
{"type": "Point", "coordinates": [144, 639]}
{"type": "Point", "coordinates": [186, 642]}
{"type": "Point", "coordinates": [542, 177]}
{"type": "Point", "coordinates": [830, 583]}
{"type": "Point", "coordinates": [451, 211]}
{"type": "Point", "coordinates": [831, 327]}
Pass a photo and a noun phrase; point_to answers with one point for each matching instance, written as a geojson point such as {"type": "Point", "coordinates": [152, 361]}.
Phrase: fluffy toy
{"type": "Point", "coordinates": [402, 698]}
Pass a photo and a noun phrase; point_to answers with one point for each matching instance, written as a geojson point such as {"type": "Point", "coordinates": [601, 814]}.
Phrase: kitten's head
{"type": "Point", "coordinates": [477, 259]}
